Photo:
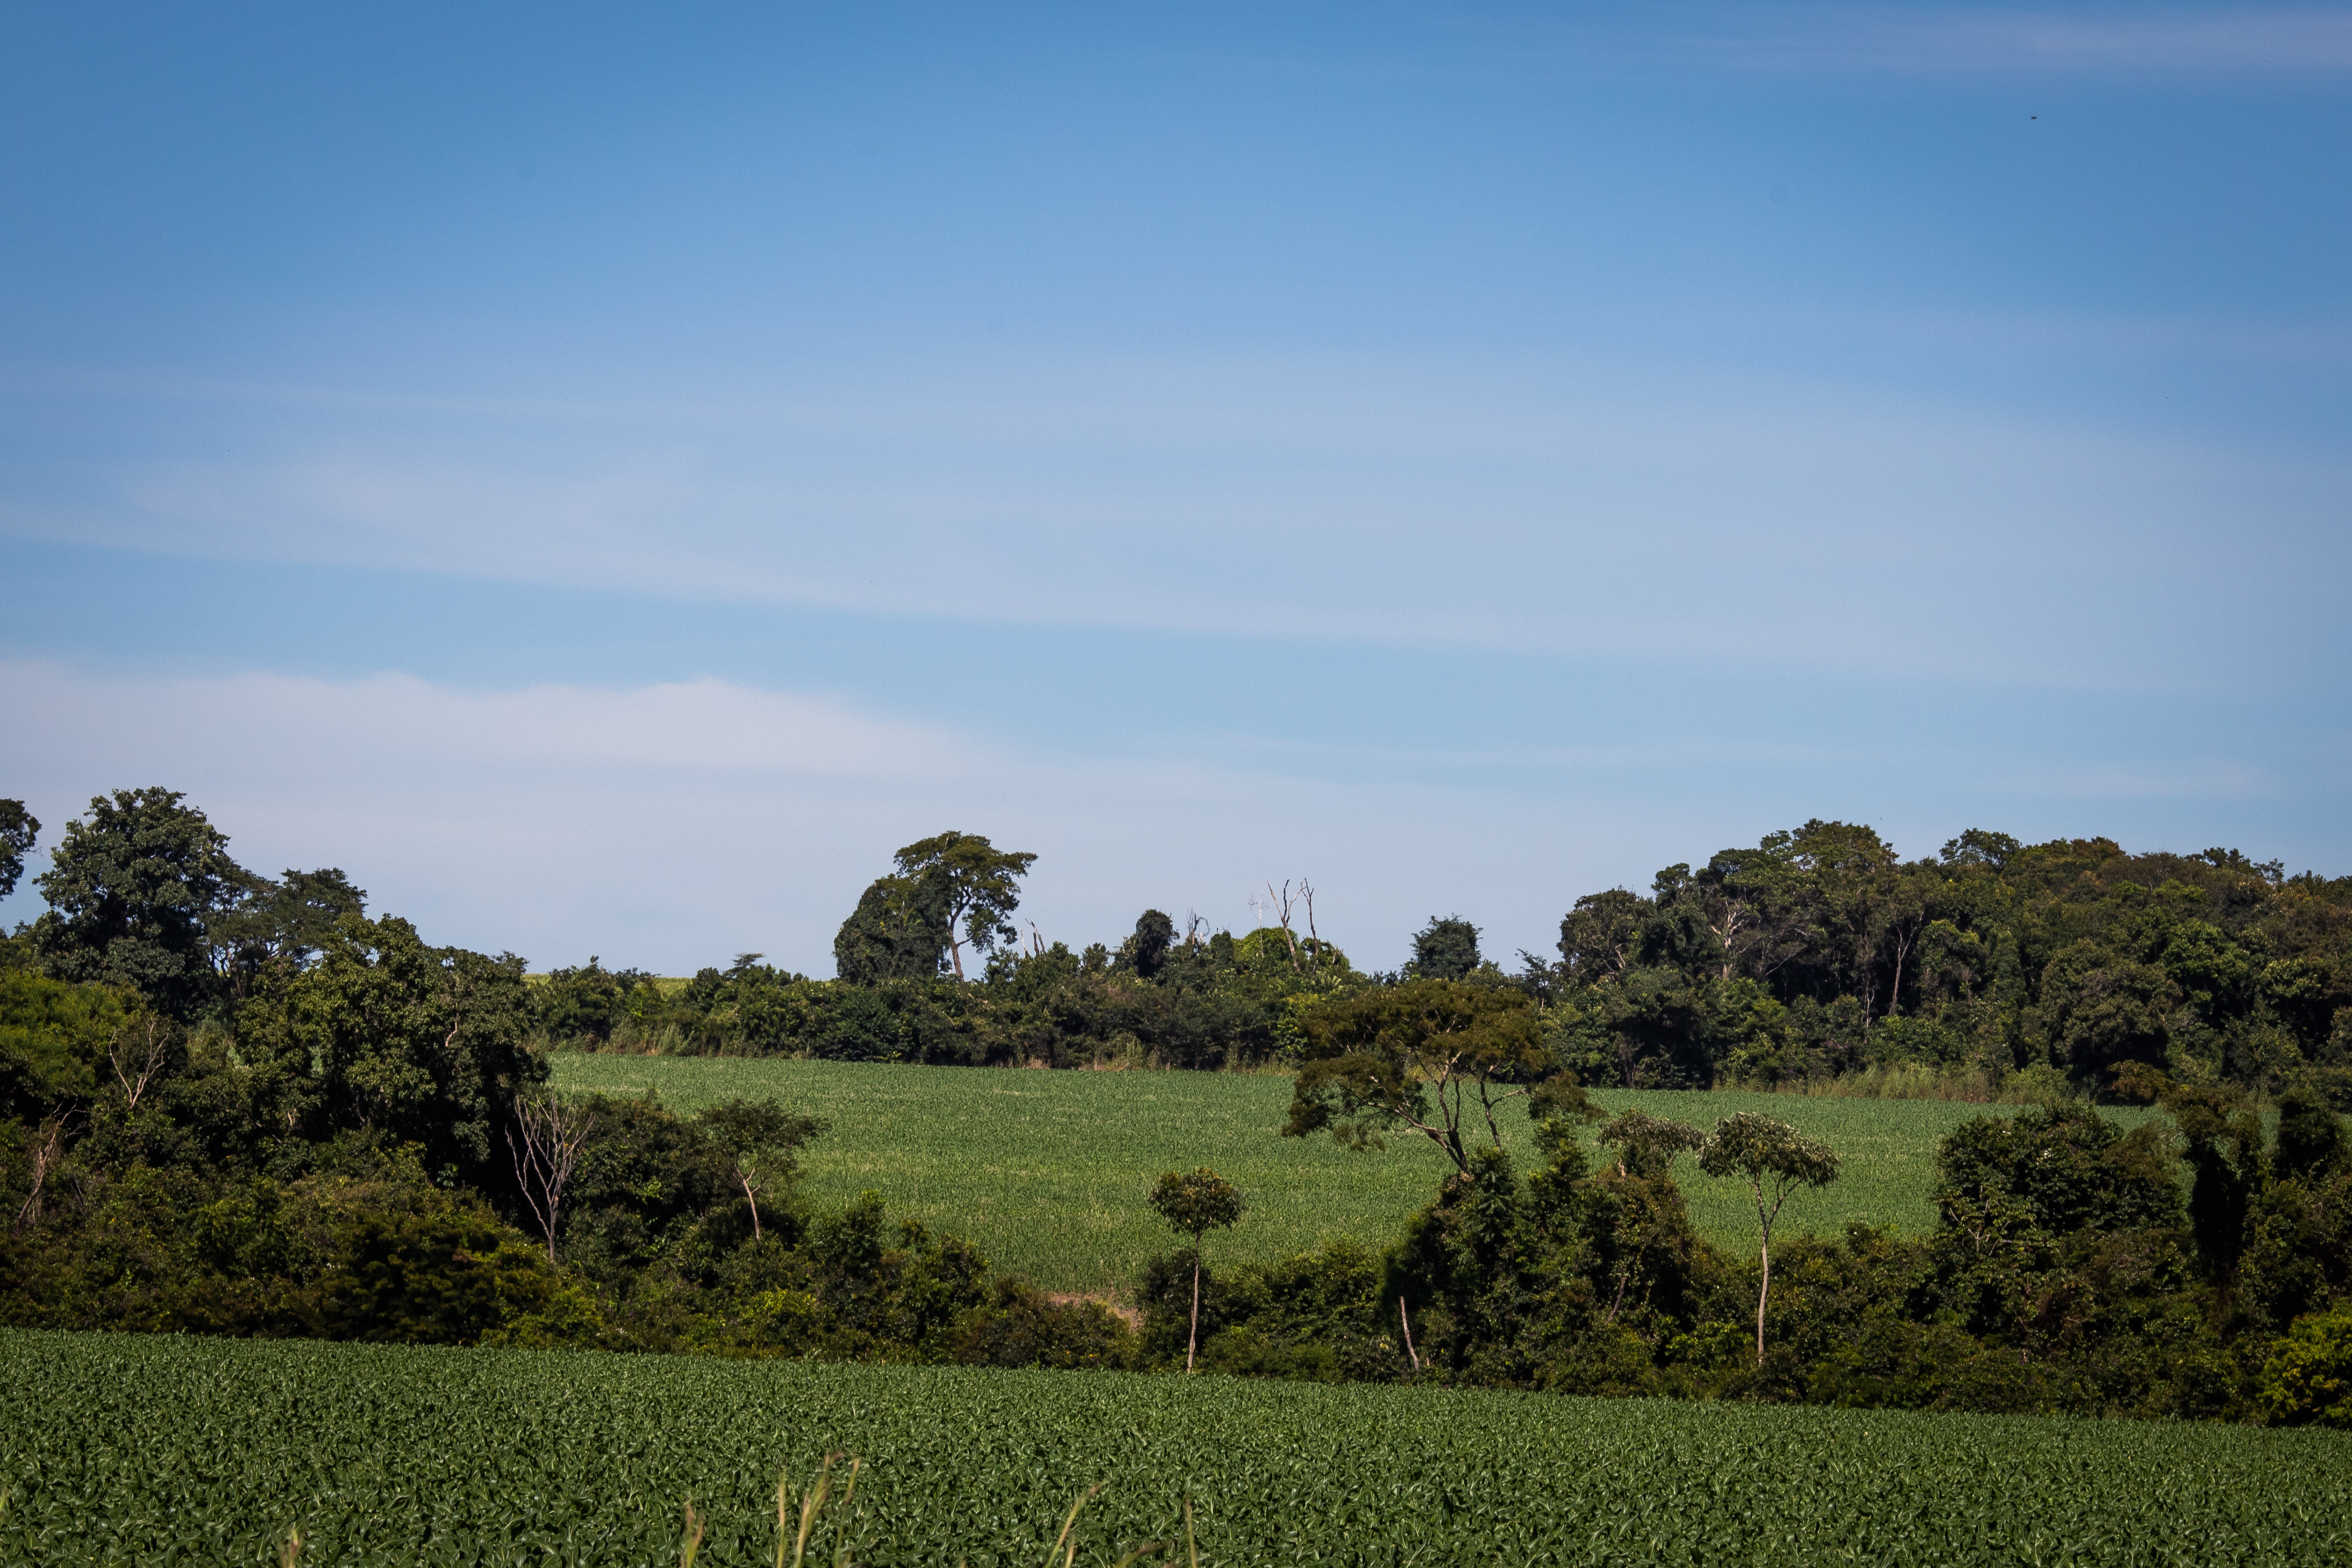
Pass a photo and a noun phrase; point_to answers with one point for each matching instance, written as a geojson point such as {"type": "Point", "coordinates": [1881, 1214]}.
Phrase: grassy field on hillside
{"type": "Point", "coordinates": [1046, 1171]}
{"type": "Point", "coordinates": [169, 1451]}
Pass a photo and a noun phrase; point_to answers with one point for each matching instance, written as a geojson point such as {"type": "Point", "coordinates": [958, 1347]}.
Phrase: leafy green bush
{"type": "Point", "coordinates": [2308, 1380]}
{"type": "Point", "coordinates": [432, 1279]}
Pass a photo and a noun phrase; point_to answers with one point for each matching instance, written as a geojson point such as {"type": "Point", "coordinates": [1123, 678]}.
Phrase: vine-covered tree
{"type": "Point", "coordinates": [976, 885]}
{"type": "Point", "coordinates": [948, 890]}
{"type": "Point", "coordinates": [382, 1033]}
{"type": "Point", "coordinates": [1444, 949]}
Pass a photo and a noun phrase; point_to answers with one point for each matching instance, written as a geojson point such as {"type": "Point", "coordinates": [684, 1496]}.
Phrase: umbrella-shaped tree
{"type": "Point", "coordinates": [1774, 1160]}
{"type": "Point", "coordinates": [1195, 1203]}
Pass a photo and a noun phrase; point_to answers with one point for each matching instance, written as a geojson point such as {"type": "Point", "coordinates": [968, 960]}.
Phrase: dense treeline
{"type": "Point", "coordinates": [2070, 966]}
{"type": "Point", "coordinates": [1817, 954]}
{"type": "Point", "coordinates": [1820, 952]}
{"type": "Point", "coordinates": [238, 1105]}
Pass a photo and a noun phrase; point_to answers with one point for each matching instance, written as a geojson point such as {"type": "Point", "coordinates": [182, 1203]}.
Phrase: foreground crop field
{"type": "Point", "coordinates": [1046, 1171]}
{"type": "Point", "coordinates": [166, 1451]}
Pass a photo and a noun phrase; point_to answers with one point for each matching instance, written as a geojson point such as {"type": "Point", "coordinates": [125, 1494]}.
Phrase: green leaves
{"type": "Point", "coordinates": [174, 1453]}
{"type": "Point", "coordinates": [1762, 1149]}
{"type": "Point", "coordinates": [1197, 1202]}
{"type": "Point", "coordinates": [1426, 1055]}
{"type": "Point", "coordinates": [973, 882]}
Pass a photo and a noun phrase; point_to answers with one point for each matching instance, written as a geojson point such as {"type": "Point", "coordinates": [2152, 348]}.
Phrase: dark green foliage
{"type": "Point", "coordinates": [587, 1005]}
{"type": "Point", "coordinates": [430, 1278]}
{"type": "Point", "coordinates": [1819, 953]}
{"type": "Point", "coordinates": [1221, 1002]}
{"type": "Point", "coordinates": [132, 889]}
{"type": "Point", "coordinates": [1444, 949]}
{"type": "Point", "coordinates": [900, 930]}
{"type": "Point", "coordinates": [19, 830]}
{"type": "Point", "coordinates": [386, 1034]}
{"type": "Point", "coordinates": [2310, 1135]}
{"type": "Point", "coordinates": [950, 888]}
{"type": "Point", "coordinates": [55, 1041]}
{"type": "Point", "coordinates": [279, 927]}
{"type": "Point", "coordinates": [1146, 952]}
{"type": "Point", "coordinates": [2066, 1167]}
{"type": "Point", "coordinates": [1018, 1326]}
{"type": "Point", "coordinates": [2061, 1278]}
{"type": "Point", "coordinates": [758, 1138]}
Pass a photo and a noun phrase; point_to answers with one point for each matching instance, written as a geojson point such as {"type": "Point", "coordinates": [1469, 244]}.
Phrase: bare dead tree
{"type": "Point", "coordinates": [552, 1132]}
{"type": "Point", "coordinates": [48, 1148]}
{"type": "Point", "coordinates": [1280, 904]}
{"type": "Point", "coordinates": [1314, 937]}
{"type": "Point", "coordinates": [136, 1059]}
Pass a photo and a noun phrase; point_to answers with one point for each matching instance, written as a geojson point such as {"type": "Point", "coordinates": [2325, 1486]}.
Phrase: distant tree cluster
{"type": "Point", "coordinates": [1819, 953]}
{"type": "Point", "coordinates": [1995, 969]}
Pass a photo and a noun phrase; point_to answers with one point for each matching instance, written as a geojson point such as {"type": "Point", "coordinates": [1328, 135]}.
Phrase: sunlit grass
{"type": "Point", "coordinates": [1046, 1171]}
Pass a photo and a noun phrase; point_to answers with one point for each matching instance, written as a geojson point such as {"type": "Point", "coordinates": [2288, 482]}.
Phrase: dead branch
{"type": "Point", "coordinates": [1279, 903]}
{"type": "Point", "coordinates": [552, 1133]}
{"type": "Point", "coordinates": [134, 1083]}
{"type": "Point", "coordinates": [48, 1148]}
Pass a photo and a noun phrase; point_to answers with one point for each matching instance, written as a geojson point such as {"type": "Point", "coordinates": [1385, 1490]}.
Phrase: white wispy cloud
{"type": "Point", "coordinates": [1566, 508]}
{"type": "Point", "coordinates": [673, 825]}
{"type": "Point", "coordinates": [2172, 41]}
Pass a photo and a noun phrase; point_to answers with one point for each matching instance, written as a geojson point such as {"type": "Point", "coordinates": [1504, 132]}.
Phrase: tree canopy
{"type": "Point", "coordinates": [1424, 1056]}
{"type": "Point", "coordinates": [133, 888]}
{"type": "Point", "coordinates": [19, 830]}
{"type": "Point", "coordinates": [383, 1032]}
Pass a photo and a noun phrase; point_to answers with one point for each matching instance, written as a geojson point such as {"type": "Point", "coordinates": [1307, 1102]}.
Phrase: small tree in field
{"type": "Point", "coordinates": [1774, 1160]}
{"type": "Point", "coordinates": [762, 1138]}
{"type": "Point", "coordinates": [1196, 1203]}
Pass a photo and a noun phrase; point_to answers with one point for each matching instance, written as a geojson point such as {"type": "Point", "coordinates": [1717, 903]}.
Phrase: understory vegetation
{"type": "Point", "coordinates": [242, 1106]}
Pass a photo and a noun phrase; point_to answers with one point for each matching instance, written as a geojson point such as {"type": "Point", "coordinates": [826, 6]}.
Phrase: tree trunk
{"type": "Point", "coordinates": [1763, 1289]}
{"type": "Point", "coordinates": [1894, 994]}
{"type": "Point", "coordinates": [752, 1198]}
{"type": "Point", "coordinates": [1193, 1340]}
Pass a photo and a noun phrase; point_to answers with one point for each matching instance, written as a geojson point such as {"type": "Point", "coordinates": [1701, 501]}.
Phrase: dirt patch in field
{"type": "Point", "coordinates": [1132, 1317]}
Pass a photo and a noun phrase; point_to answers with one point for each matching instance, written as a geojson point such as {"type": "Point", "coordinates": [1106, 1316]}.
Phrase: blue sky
{"type": "Point", "coordinates": [606, 478]}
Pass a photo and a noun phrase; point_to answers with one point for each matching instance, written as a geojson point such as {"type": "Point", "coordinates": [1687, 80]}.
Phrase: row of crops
{"type": "Point", "coordinates": [159, 1451]}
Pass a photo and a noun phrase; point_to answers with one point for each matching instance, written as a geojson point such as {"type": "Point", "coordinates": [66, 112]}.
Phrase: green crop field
{"type": "Point", "coordinates": [165, 1452]}
{"type": "Point", "coordinates": [1046, 1171]}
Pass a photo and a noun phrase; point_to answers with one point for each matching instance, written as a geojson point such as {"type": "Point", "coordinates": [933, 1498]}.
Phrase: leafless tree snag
{"type": "Point", "coordinates": [551, 1134]}
{"type": "Point", "coordinates": [141, 1042]}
